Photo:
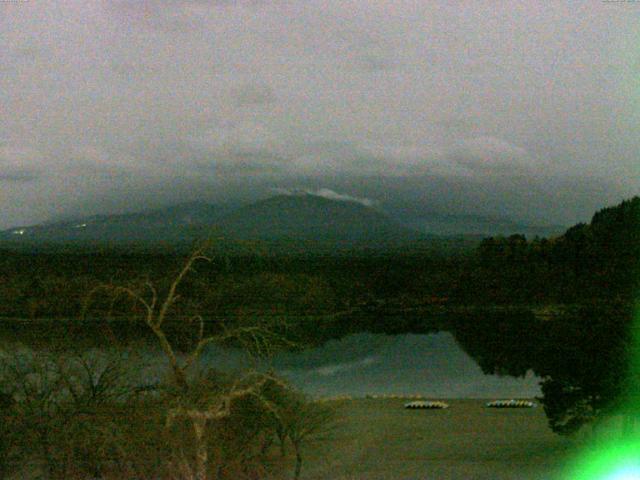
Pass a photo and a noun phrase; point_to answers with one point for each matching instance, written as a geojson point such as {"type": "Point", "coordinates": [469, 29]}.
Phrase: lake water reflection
{"type": "Point", "coordinates": [431, 365]}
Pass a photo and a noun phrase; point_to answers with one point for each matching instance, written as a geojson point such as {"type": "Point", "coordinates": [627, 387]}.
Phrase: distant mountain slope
{"type": "Point", "coordinates": [450, 224]}
{"type": "Point", "coordinates": [312, 218]}
{"type": "Point", "coordinates": [173, 224]}
{"type": "Point", "coordinates": [303, 221]}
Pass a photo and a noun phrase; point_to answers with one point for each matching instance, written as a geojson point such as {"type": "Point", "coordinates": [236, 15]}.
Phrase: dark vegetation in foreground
{"type": "Point", "coordinates": [69, 412]}
{"type": "Point", "coordinates": [79, 416]}
{"type": "Point", "coordinates": [561, 307]}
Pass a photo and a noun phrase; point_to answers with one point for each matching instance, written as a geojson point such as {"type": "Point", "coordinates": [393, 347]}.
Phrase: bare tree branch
{"type": "Point", "coordinates": [172, 297]}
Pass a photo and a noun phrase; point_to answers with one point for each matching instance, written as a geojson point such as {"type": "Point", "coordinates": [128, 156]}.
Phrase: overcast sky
{"type": "Point", "coordinates": [528, 109]}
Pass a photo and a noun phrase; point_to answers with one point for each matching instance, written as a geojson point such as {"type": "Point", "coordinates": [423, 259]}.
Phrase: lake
{"type": "Point", "coordinates": [431, 365]}
{"type": "Point", "coordinates": [360, 364]}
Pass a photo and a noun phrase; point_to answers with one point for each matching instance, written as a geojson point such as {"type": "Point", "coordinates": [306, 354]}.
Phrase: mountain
{"type": "Point", "coordinates": [302, 221]}
{"type": "Point", "coordinates": [305, 221]}
{"type": "Point", "coordinates": [315, 219]}
{"type": "Point", "coordinates": [179, 223]}
{"type": "Point", "coordinates": [447, 224]}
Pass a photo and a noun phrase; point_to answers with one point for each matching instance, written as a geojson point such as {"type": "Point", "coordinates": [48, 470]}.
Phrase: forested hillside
{"type": "Point", "coordinates": [584, 348]}
{"type": "Point", "coordinates": [589, 262]}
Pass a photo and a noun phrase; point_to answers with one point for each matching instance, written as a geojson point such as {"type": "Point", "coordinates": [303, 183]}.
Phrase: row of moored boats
{"type": "Point", "coordinates": [438, 405]}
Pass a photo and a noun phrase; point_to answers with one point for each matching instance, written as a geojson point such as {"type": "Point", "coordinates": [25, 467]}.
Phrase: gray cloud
{"type": "Point", "coordinates": [19, 164]}
{"type": "Point", "coordinates": [166, 101]}
{"type": "Point", "coordinates": [252, 94]}
{"type": "Point", "coordinates": [492, 155]}
{"type": "Point", "coordinates": [25, 176]}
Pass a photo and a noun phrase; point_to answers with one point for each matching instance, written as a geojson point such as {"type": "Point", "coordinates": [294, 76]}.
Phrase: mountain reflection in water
{"type": "Point", "coordinates": [431, 365]}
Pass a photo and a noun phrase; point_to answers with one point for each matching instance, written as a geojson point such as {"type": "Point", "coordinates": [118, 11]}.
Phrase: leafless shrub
{"type": "Point", "coordinates": [229, 421]}
{"type": "Point", "coordinates": [255, 335]}
{"type": "Point", "coordinates": [67, 411]}
{"type": "Point", "coordinates": [302, 422]}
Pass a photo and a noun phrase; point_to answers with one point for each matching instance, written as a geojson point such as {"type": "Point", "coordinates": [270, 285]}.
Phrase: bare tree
{"type": "Point", "coordinates": [156, 311]}
{"type": "Point", "coordinates": [64, 408]}
{"type": "Point", "coordinates": [219, 406]}
{"type": "Point", "coordinates": [200, 410]}
{"type": "Point", "coordinates": [258, 337]}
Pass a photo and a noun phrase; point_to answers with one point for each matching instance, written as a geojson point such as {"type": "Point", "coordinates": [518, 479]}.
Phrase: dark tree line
{"type": "Point", "coordinates": [52, 285]}
{"type": "Point", "coordinates": [595, 261]}
{"type": "Point", "coordinates": [583, 356]}
{"type": "Point", "coordinates": [585, 348]}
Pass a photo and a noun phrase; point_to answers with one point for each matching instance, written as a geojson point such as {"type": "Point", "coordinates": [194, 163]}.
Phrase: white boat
{"type": "Point", "coordinates": [426, 405]}
{"type": "Point", "coordinates": [510, 404]}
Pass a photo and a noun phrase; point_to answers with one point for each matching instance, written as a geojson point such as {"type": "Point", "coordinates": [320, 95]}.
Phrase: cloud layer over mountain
{"type": "Point", "coordinates": [126, 104]}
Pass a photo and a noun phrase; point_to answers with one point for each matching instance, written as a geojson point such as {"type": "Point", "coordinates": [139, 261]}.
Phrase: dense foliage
{"type": "Point", "coordinates": [584, 346]}
{"type": "Point", "coordinates": [50, 285]}
{"type": "Point", "coordinates": [595, 261]}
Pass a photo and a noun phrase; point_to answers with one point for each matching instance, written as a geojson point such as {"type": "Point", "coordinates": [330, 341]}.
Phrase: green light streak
{"type": "Point", "coordinates": [617, 459]}
{"type": "Point", "coordinates": [609, 462]}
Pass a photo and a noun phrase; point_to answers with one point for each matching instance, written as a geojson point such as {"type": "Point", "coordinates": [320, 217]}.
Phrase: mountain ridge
{"type": "Point", "coordinates": [309, 219]}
